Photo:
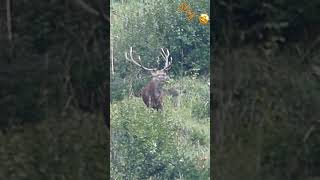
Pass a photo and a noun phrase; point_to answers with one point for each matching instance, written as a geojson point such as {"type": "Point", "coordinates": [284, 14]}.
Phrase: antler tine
{"type": "Point", "coordinates": [165, 56]}
{"type": "Point", "coordinates": [135, 62]}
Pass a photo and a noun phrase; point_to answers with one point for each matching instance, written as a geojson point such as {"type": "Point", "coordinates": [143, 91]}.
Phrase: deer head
{"type": "Point", "coordinates": [152, 94]}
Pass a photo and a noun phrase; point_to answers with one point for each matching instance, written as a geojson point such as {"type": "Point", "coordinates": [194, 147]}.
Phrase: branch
{"type": "Point", "coordinates": [91, 10]}
{"type": "Point", "coordinates": [86, 7]}
{"type": "Point", "coordinates": [9, 27]}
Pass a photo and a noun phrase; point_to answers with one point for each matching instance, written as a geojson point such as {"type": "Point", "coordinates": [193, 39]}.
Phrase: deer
{"type": "Point", "coordinates": [152, 94]}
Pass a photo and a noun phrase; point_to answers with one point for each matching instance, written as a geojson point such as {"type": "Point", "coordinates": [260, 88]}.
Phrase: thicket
{"type": "Point", "coordinates": [267, 88]}
{"type": "Point", "coordinates": [174, 144]}
{"type": "Point", "coordinates": [145, 143]}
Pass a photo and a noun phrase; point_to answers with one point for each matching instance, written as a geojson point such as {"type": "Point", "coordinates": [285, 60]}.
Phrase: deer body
{"type": "Point", "coordinates": [152, 94]}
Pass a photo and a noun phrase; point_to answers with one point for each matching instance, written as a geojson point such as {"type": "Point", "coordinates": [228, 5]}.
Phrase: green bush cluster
{"type": "Point", "coordinates": [146, 143]}
{"type": "Point", "coordinates": [163, 26]}
{"type": "Point", "coordinates": [196, 94]}
{"type": "Point", "coordinates": [70, 147]}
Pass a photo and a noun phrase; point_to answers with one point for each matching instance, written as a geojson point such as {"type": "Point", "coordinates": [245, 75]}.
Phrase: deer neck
{"type": "Point", "coordinates": [157, 83]}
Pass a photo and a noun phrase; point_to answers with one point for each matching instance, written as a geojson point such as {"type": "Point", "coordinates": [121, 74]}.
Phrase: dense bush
{"type": "Point", "coordinates": [267, 110]}
{"type": "Point", "coordinates": [61, 147]}
{"type": "Point", "coordinates": [164, 145]}
{"type": "Point", "coordinates": [163, 26]}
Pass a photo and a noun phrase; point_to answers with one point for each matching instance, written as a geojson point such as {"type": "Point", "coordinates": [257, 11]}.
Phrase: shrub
{"type": "Point", "coordinates": [147, 144]}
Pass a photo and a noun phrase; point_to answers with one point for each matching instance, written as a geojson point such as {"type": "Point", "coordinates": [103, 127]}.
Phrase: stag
{"type": "Point", "coordinates": [153, 93]}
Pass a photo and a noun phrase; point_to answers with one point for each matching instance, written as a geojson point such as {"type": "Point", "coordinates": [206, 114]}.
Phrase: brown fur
{"type": "Point", "coordinates": [152, 94]}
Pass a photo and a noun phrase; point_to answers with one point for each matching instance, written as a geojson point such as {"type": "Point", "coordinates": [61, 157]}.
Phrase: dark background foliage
{"type": "Point", "coordinates": [266, 93]}
{"type": "Point", "coordinates": [53, 77]}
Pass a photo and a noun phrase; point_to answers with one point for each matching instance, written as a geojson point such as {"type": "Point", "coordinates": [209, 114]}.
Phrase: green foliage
{"type": "Point", "coordinates": [148, 140]}
{"type": "Point", "coordinates": [161, 24]}
{"type": "Point", "coordinates": [71, 147]}
{"type": "Point", "coordinates": [56, 54]}
{"type": "Point", "coordinates": [163, 145]}
{"type": "Point", "coordinates": [270, 24]}
{"type": "Point", "coordinates": [196, 93]}
{"type": "Point", "coordinates": [268, 116]}
{"type": "Point", "coordinates": [118, 88]}
{"type": "Point", "coordinates": [199, 136]}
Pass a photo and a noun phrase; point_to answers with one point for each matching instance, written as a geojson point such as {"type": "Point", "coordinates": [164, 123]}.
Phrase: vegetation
{"type": "Point", "coordinates": [267, 88]}
{"type": "Point", "coordinates": [145, 143]}
{"type": "Point", "coordinates": [265, 85]}
{"type": "Point", "coordinates": [53, 72]}
{"type": "Point", "coordinates": [269, 120]}
{"type": "Point", "coordinates": [67, 147]}
{"type": "Point", "coordinates": [174, 144]}
{"type": "Point", "coordinates": [161, 24]}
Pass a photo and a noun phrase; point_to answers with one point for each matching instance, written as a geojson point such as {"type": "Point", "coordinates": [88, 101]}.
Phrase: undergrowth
{"type": "Point", "coordinates": [172, 144]}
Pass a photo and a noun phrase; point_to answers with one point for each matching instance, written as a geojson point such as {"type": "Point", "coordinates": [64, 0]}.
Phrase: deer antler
{"type": "Point", "coordinates": [135, 62]}
{"type": "Point", "coordinates": [165, 55]}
